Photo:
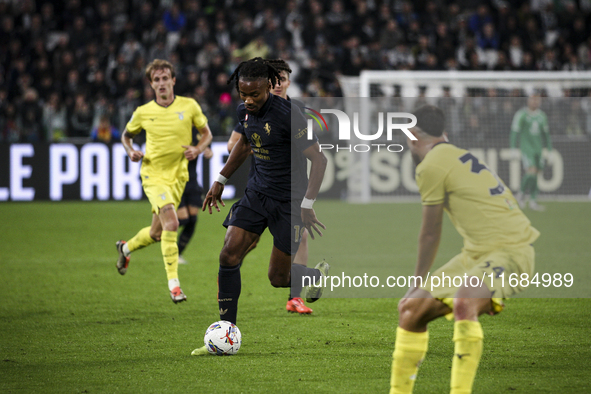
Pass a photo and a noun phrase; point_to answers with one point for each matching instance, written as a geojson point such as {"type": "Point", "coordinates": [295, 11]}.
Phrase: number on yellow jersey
{"type": "Point", "coordinates": [477, 167]}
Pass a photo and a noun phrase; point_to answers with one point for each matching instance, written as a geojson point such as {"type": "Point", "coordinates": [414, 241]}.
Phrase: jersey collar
{"type": "Point", "coordinates": [172, 102]}
{"type": "Point", "coordinates": [431, 150]}
{"type": "Point", "coordinates": [441, 142]}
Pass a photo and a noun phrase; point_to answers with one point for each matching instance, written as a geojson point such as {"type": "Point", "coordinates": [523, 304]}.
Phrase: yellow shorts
{"type": "Point", "coordinates": [161, 195]}
{"type": "Point", "coordinates": [494, 268]}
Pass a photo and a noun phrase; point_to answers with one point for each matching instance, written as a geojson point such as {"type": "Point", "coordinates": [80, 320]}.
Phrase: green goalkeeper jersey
{"type": "Point", "coordinates": [531, 129]}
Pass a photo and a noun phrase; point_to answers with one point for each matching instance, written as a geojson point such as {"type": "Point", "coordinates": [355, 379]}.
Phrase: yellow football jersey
{"type": "Point", "coordinates": [167, 129]}
{"type": "Point", "coordinates": [480, 206]}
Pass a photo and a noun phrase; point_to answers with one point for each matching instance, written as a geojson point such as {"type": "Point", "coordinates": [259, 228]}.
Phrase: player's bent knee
{"type": "Point", "coordinates": [463, 307]}
{"type": "Point", "coordinates": [411, 311]}
{"type": "Point", "coordinates": [413, 300]}
{"type": "Point", "coordinates": [403, 309]}
{"type": "Point", "coordinates": [155, 235]}
{"type": "Point", "coordinates": [173, 225]}
{"type": "Point", "coordinates": [228, 259]}
{"type": "Point", "coordinates": [279, 280]}
{"type": "Point", "coordinates": [417, 310]}
{"type": "Point", "coordinates": [403, 304]}
{"type": "Point", "coordinates": [471, 301]}
{"type": "Point", "coordinates": [471, 308]}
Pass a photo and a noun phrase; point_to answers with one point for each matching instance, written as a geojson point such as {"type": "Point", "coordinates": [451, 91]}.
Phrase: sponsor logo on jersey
{"type": "Point", "coordinates": [256, 139]}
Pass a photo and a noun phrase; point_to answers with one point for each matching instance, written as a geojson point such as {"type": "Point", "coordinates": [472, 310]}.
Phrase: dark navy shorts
{"type": "Point", "coordinates": [254, 212]}
{"type": "Point", "coordinates": [193, 195]}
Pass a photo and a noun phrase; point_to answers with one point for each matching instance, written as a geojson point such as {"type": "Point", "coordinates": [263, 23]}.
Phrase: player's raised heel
{"type": "Point", "coordinates": [177, 295]}
{"type": "Point", "coordinates": [182, 260]}
{"type": "Point", "coordinates": [314, 291]}
{"type": "Point", "coordinates": [296, 305]}
{"type": "Point", "coordinates": [122, 260]}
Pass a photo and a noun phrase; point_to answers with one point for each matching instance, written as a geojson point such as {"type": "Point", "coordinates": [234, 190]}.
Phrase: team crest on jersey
{"type": "Point", "coordinates": [181, 117]}
{"type": "Point", "coordinates": [245, 125]}
{"type": "Point", "coordinates": [256, 139]}
{"type": "Point", "coordinates": [268, 128]}
{"type": "Point", "coordinates": [163, 196]}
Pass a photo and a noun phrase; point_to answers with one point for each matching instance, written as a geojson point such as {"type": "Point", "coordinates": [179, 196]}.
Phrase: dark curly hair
{"type": "Point", "coordinates": [280, 65]}
{"type": "Point", "coordinates": [253, 69]}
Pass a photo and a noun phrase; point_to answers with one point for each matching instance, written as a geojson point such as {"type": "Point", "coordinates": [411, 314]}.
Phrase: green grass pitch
{"type": "Point", "coordinates": [70, 323]}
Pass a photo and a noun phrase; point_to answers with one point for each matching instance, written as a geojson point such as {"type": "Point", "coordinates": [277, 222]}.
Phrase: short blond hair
{"type": "Point", "coordinates": [159, 64]}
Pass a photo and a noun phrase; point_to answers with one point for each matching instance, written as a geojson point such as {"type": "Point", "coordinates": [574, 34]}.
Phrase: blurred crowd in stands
{"type": "Point", "coordinates": [75, 69]}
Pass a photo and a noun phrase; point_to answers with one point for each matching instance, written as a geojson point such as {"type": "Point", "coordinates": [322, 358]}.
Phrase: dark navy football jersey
{"type": "Point", "coordinates": [238, 128]}
{"type": "Point", "coordinates": [280, 169]}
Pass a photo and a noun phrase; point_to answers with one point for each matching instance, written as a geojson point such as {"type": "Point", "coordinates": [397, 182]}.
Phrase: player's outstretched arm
{"type": "Point", "coordinates": [237, 157]}
{"type": "Point", "coordinates": [317, 169]}
{"type": "Point", "coordinates": [234, 137]}
{"type": "Point", "coordinates": [127, 141]}
{"type": "Point", "coordinates": [429, 238]}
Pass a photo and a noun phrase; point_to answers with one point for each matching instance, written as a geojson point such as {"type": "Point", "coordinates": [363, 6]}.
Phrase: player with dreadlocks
{"type": "Point", "coordinates": [295, 303]}
{"type": "Point", "coordinates": [278, 194]}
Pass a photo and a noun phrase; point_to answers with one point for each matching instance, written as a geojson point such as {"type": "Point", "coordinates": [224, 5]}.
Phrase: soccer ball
{"type": "Point", "coordinates": [223, 338]}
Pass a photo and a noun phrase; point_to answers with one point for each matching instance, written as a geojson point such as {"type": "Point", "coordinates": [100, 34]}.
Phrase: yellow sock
{"type": "Point", "coordinates": [141, 240]}
{"type": "Point", "coordinates": [409, 352]}
{"type": "Point", "coordinates": [170, 253]}
{"type": "Point", "coordinates": [468, 338]}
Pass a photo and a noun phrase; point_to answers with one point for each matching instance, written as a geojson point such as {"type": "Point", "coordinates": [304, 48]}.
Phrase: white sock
{"type": "Point", "coordinates": [125, 249]}
{"type": "Point", "coordinates": [173, 283]}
